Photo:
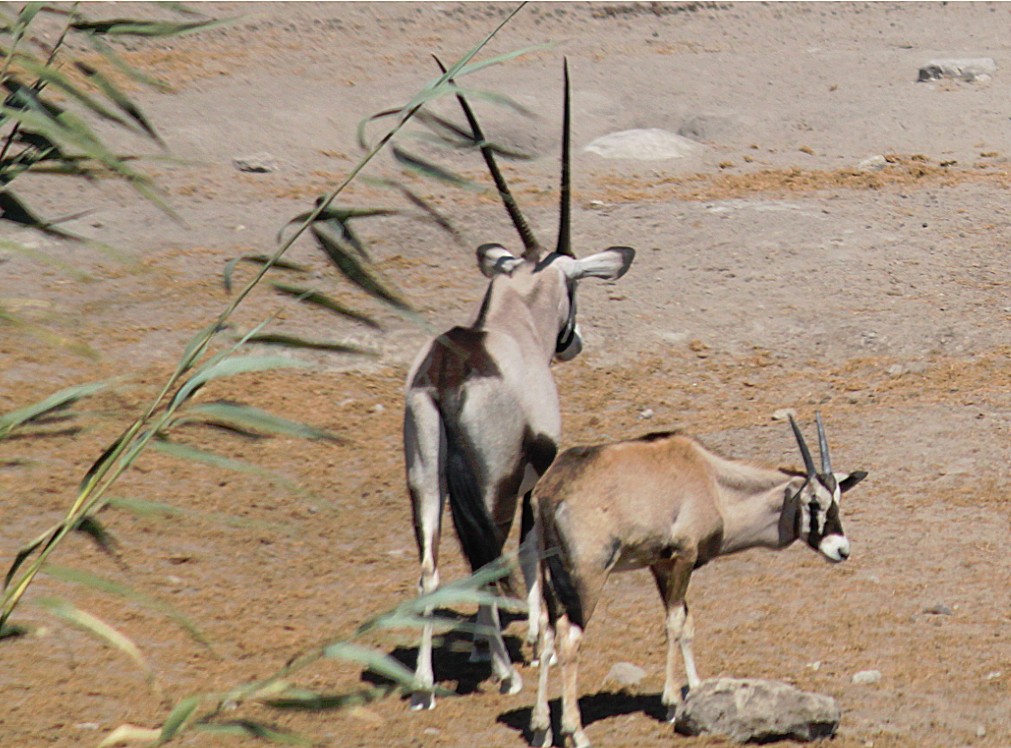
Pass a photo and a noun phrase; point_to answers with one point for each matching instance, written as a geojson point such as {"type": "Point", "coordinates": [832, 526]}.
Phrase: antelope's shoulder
{"type": "Point", "coordinates": [457, 355]}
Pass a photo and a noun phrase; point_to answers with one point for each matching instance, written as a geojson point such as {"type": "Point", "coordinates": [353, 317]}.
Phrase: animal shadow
{"type": "Point", "coordinates": [592, 708]}
{"type": "Point", "coordinates": [451, 656]}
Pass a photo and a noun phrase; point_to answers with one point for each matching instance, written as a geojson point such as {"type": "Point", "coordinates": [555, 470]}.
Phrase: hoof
{"type": "Point", "coordinates": [511, 685]}
{"type": "Point", "coordinates": [541, 738]}
{"type": "Point", "coordinates": [672, 713]}
{"type": "Point", "coordinates": [422, 701]}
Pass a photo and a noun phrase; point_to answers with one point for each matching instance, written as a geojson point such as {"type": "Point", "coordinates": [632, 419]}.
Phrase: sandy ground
{"type": "Point", "coordinates": [771, 273]}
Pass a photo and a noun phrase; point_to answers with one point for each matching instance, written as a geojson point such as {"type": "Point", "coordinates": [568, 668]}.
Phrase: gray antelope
{"type": "Point", "coordinates": [482, 419]}
{"type": "Point", "coordinates": [664, 502]}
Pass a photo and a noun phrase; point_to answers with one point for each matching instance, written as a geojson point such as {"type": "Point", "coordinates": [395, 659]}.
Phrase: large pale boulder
{"type": "Point", "coordinates": [760, 711]}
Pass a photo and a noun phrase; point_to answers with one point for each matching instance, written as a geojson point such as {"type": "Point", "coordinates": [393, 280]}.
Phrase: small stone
{"type": "Point", "coordinates": [940, 609]}
{"type": "Point", "coordinates": [981, 731]}
{"type": "Point", "coordinates": [378, 408]}
{"type": "Point", "coordinates": [968, 69]}
{"type": "Point", "coordinates": [783, 414]}
{"type": "Point", "coordinates": [258, 163]}
{"type": "Point", "coordinates": [866, 677]}
{"type": "Point", "coordinates": [896, 370]}
{"type": "Point", "coordinates": [994, 674]}
{"type": "Point", "coordinates": [647, 145]}
{"type": "Point", "coordinates": [874, 163]}
{"type": "Point", "coordinates": [646, 414]}
{"type": "Point", "coordinates": [87, 726]}
{"type": "Point", "coordinates": [625, 675]}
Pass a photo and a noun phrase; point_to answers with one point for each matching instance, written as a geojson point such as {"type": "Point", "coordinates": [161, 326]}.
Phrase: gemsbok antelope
{"type": "Point", "coordinates": [664, 502]}
{"type": "Point", "coordinates": [482, 419]}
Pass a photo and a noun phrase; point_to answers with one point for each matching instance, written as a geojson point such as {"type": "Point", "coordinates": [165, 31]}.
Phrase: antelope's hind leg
{"type": "Point", "coordinates": [424, 449]}
{"type": "Point", "coordinates": [672, 579]}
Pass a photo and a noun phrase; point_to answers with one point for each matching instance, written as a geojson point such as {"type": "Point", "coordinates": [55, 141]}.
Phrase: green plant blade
{"type": "Point", "coordinates": [309, 296]}
{"type": "Point", "coordinates": [95, 582]}
{"type": "Point", "coordinates": [366, 278]}
{"type": "Point", "coordinates": [99, 628]}
{"type": "Point", "coordinates": [428, 169]}
{"type": "Point", "coordinates": [185, 452]}
{"type": "Point", "coordinates": [131, 27]}
{"type": "Point", "coordinates": [230, 367]}
{"type": "Point", "coordinates": [291, 341]}
{"type": "Point", "coordinates": [57, 401]}
{"type": "Point", "coordinates": [374, 660]}
{"type": "Point", "coordinates": [258, 260]}
{"type": "Point", "coordinates": [254, 419]}
{"type": "Point", "coordinates": [178, 717]}
{"type": "Point", "coordinates": [134, 74]}
{"type": "Point", "coordinates": [125, 734]}
{"type": "Point", "coordinates": [120, 99]}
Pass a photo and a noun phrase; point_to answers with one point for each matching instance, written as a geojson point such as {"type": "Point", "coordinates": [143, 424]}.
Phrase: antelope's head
{"type": "Point", "coordinates": [817, 500]}
{"type": "Point", "coordinates": [546, 281]}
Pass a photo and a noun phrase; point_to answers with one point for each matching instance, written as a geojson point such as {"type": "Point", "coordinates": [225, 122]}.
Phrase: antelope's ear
{"type": "Point", "coordinates": [494, 259]}
{"type": "Point", "coordinates": [610, 264]}
{"type": "Point", "coordinates": [846, 481]}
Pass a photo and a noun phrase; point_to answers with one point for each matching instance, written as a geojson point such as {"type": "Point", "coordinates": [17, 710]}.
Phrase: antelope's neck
{"type": "Point", "coordinates": [754, 508]}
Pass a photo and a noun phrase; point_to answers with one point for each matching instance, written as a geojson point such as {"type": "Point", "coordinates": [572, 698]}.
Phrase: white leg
{"type": "Point", "coordinates": [508, 677]}
{"type": "Point", "coordinates": [680, 634]}
{"type": "Point", "coordinates": [531, 577]}
{"type": "Point", "coordinates": [423, 449]}
{"type": "Point", "coordinates": [423, 674]}
{"type": "Point", "coordinates": [569, 636]}
{"type": "Point", "coordinates": [540, 718]}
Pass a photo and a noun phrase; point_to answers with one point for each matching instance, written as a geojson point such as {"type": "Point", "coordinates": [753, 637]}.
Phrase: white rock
{"type": "Point", "coordinates": [756, 710]}
{"type": "Point", "coordinates": [257, 163]}
{"type": "Point", "coordinates": [874, 163]}
{"type": "Point", "coordinates": [783, 414]}
{"type": "Point", "coordinates": [866, 677]}
{"type": "Point", "coordinates": [650, 144]}
{"type": "Point", "coordinates": [646, 414]}
{"type": "Point", "coordinates": [966, 69]}
{"type": "Point", "coordinates": [625, 674]}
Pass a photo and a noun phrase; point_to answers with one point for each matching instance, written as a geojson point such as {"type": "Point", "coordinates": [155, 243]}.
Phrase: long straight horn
{"type": "Point", "coordinates": [530, 244]}
{"type": "Point", "coordinates": [804, 451]}
{"type": "Point", "coordinates": [826, 460]}
{"type": "Point", "coordinates": [564, 239]}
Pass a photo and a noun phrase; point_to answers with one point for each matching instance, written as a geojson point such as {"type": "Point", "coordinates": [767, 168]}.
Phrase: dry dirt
{"type": "Point", "coordinates": [771, 273]}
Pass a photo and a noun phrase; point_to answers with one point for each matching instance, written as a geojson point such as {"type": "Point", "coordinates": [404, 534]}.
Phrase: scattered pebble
{"type": "Point", "coordinates": [783, 414]}
{"type": "Point", "coordinates": [968, 69]}
{"type": "Point", "coordinates": [940, 609]}
{"type": "Point", "coordinates": [648, 145]}
{"type": "Point", "coordinates": [896, 370]}
{"type": "Point", "coordinates": [95, 726]}
{"type": "Point", "coordinates": [866, 677]}
{"type": "Point", "coordinates": [981, 731]}
{"type": "Point", "coordinates": [874, 163]}
{"type": "Point", "coordinates": [257, 163]}
{"type": "Point", "coordinates": [625, 674]}
{"type": "Point", "coordinates": [646, 414]}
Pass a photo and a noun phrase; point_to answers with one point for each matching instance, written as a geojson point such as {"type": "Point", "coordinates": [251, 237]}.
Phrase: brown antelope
{"type": "Point", "coordinates": [664, 502]}
{"type": "Point", "coordinates": [482, 419]}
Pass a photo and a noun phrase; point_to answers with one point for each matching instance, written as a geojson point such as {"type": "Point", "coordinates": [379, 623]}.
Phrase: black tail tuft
{"type": "Point", "coordinates": [481, 539]}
